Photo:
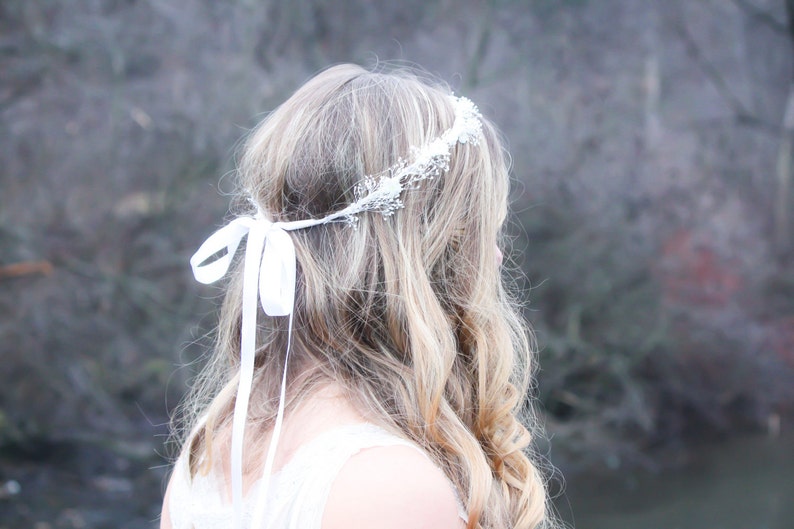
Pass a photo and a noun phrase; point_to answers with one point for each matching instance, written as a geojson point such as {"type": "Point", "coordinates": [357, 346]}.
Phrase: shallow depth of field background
{"type": "Point", "coordinates": [652, 231]}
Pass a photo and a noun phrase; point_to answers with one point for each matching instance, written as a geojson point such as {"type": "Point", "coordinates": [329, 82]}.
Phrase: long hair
{"type": "Point", "coordinates": [408, 313]}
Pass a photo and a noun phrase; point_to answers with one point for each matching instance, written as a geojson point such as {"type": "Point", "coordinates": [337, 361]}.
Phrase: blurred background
{"type": "Point", "coordinates": [652, 232]}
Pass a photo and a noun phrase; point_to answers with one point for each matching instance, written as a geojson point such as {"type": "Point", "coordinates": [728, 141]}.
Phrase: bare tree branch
{"type": "Point", "coordinates": [483, 40]}
{"type": "Point", "coordinates": [762, 16]}
{"type": "Point", "coordinates": [742, 113]}
{"type": "Point", "coordinates": [790, 18]}
{"type": "Point", "coordinates": [761, 126]}
{"type": "Point", "coordinates": [784, 159]}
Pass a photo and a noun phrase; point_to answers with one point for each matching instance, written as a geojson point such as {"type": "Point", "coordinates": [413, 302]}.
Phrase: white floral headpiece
{"type": "Point", "coordinates": [270, 267]}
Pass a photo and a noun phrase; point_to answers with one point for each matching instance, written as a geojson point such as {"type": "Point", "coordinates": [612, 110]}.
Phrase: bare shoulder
{"type": "Point", "coordinates": [390, 487]}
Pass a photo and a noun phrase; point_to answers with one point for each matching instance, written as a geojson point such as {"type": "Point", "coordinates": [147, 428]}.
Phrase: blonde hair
{"type": "Point", "coordinates": [408, 313]}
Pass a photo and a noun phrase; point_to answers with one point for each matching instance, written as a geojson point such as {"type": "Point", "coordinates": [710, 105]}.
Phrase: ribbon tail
{"type": "Point", "coordinates": [253, 255]}
{"type": "Point", "coordinates": [261, 501]}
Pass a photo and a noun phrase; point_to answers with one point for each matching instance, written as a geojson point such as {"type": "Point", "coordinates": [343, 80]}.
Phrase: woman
{"type": "Point", "coordinates": [382, 388]}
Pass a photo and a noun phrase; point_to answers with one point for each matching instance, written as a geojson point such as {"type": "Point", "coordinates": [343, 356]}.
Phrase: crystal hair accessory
{"type": "Point", "coordinates": [269, 269]}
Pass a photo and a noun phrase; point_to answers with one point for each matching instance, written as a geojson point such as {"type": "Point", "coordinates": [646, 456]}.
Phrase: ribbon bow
{"type": "Point", "coordinates": [269, 273]}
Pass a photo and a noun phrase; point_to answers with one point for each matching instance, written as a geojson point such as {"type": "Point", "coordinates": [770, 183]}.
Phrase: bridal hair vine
{"type": "Point", "coordinates": [269, 268]}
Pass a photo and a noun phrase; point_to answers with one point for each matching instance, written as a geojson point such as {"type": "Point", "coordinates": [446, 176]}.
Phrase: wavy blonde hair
{"type": "Point", "coordinates": [407, 313]}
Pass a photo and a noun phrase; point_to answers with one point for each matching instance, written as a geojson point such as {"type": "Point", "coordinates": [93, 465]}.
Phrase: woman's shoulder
{"type": "Point", "coordinates": [389, 486]}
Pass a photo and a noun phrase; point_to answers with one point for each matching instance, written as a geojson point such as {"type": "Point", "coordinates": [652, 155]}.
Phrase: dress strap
{"type": "Point", "coordinates": [296, 495]}
{"type": "Point", "coordinates": [306, 480]}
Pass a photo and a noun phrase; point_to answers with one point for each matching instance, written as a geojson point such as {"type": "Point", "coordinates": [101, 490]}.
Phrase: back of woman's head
{"type": "Point", "coordinates": [406, 311]}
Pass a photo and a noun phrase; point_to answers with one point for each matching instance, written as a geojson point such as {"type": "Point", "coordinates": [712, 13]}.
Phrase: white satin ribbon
{"type": "Point", "coordinates": [269, 272]}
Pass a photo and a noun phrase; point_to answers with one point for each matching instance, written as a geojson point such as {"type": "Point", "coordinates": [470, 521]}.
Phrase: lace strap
{"type": "Point", "coordinates": [297, 493]}
{"type": "Point", "coordinates": [306, 481]}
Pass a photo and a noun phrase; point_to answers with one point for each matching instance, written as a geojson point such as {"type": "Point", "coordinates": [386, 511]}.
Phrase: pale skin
{"type": "Point", "coordinates": [387, 487]}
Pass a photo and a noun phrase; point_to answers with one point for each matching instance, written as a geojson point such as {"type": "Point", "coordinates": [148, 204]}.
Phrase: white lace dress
{"type": "Point", "coordinates": [297, 493]}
